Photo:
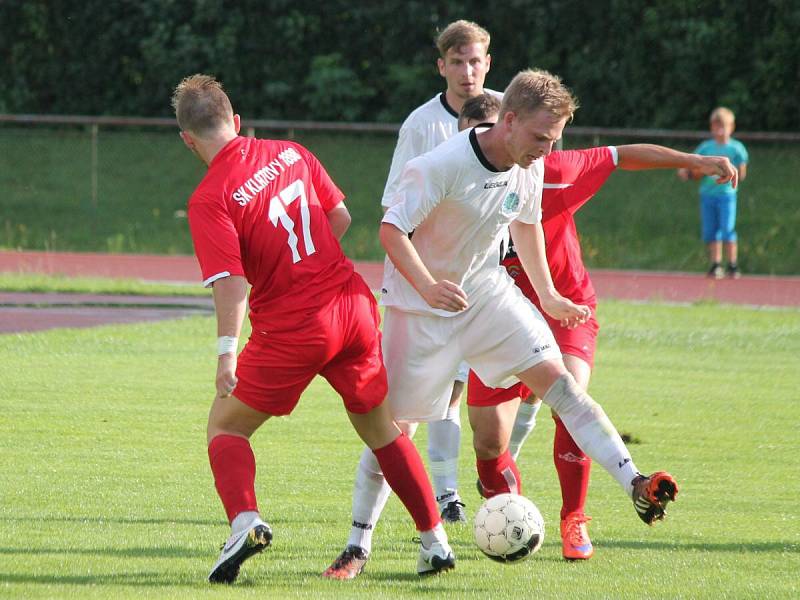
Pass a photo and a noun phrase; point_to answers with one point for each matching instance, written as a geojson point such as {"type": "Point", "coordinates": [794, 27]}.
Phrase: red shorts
{"type": "Point", "coordinates": [341, 342]}
{"type": "Point", "coordinates": [580, 342]}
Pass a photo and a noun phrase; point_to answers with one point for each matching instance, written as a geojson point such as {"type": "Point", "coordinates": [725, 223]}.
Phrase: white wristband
{"type": "Point", "coordinates": [227, 344]}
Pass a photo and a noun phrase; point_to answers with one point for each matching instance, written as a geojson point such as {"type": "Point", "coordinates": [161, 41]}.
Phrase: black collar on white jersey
{"type": "Point", "coordinates": [476, 147]}
{"type": "Point", "coordinates": [447, 107]}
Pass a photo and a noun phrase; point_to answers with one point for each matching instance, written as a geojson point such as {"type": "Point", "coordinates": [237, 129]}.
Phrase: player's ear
{"type": "Point", "coordinates": [440, 64]}
{"type": "Point", "coordinates": [488, 62]}
{"type": "Point", "coordinates": [237, 123]}
{"type": "Point", "coordinates": [187, 139]}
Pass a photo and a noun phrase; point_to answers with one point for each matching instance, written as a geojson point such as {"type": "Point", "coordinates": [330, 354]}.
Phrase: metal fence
{"type": "Point", "coordinates": [120, 184]}
{"type": "Point", "coordinates": [596, 134]}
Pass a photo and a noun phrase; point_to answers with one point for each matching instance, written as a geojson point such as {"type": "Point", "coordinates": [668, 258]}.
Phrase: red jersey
{"type": "Point", "coordinates": [571, 178]}
{"type": "Point", "coordinates": [260, 212]}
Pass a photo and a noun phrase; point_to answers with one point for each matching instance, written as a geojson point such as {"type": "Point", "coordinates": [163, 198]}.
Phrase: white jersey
{"type": "Point", "coordinates": [459, 207]}
{"type": "Point", "coordinates": [425, 128]}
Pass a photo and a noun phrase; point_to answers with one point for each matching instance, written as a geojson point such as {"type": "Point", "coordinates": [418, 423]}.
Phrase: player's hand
{"type": "Point", "coordinates": [718, 167]}
{"type": "Point", "coordinates": [226, 375]}
{"type": "Point", "coordinates": [445, 295]}
{"type": "Point", "coordinates": [569, 314]}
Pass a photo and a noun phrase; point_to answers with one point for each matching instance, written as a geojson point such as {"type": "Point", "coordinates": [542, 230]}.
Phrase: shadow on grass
{"type": "Point", "coordinates": [150, 579]}
{"type": "Point", "coordinates": [133, 552]}
{"type": "Point", "coordinates": [123, 520]}
{"type": "Point", "coordinates": [780, 546]}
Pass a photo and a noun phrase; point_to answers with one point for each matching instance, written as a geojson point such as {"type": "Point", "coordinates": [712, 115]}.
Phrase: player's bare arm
{"type": "Point", "coordinates": [443, 294]}
{"type": "Point", "coordinates": [633, 157]}
{"type": "Point", "coordinates": [636, 157]}
{"type": "Point", "coordinates": [230, 303]}
{"type": "Point", "coordinates": [339, 218]}
{"type": "Point", "coordinates": [529, 244]}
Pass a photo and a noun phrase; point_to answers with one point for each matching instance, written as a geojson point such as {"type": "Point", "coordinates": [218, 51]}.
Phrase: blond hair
{"type": "Point", "coordinates": [460, 33]}
{"type": "Point", "coordinates": [201, 105]}
{"type": "Point", "coordinates": [478, 108]}
{"type": "Point", "coordinates": [533, 89]}
{"type": "Point", "coordinates": [722, 114]}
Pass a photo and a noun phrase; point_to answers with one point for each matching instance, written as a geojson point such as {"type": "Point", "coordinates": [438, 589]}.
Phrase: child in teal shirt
{"type": "Point", "coordinates": [718, 202]}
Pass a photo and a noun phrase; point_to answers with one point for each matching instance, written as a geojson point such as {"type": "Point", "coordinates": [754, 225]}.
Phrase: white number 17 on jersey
{"type": "Point", "coordinates": [277, 212]}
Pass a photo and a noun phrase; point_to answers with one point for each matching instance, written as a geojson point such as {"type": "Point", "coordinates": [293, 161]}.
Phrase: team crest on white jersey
{"type": "Point", "coordinates": [510, 203]}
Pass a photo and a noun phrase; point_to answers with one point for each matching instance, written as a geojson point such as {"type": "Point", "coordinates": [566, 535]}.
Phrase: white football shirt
{"type": "Point", "coordinates": [425, 128]}
{"type": "Point", "coordinates": [459, 207]}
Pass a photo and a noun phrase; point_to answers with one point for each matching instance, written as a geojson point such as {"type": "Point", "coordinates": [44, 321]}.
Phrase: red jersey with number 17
{"type": "Point", "coordinates": [260, 212]}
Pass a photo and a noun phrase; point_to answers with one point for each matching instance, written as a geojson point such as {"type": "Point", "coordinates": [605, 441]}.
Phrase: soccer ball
{"type": "Point", "coordinates": [508, 528]}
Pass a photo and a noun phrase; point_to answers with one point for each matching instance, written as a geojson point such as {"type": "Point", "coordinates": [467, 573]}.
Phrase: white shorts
{"type": "Point", "coordinates": [499, 336]}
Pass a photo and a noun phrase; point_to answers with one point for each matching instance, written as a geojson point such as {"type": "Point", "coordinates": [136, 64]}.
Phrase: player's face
{"type": "Point", "coordinates": [531, 136]}
{"type": "Point", "coordinates": [465, 69]}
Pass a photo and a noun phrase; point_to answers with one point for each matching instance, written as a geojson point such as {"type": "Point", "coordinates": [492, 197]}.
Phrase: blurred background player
{"type": "Point", "coordinates": [571, 178]}
{"type": "Point", "coordinates": [482, 109]}
{"type": "Point", "coordinates": [463, 62]}
{"type": "Point", "coordinates": [268, 214]}
{"type": "Point", "coordinates": [718, 202]}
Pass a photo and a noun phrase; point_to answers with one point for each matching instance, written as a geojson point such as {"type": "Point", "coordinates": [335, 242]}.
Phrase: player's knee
{"type": "Point", "coordinates": [565, 396]}
{"type": "Point", "coordinates": [488, 446]}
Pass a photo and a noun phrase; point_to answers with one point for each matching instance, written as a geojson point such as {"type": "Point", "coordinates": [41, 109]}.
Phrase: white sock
{"type": "Point", "coordinates": [437, 534]}
{"type": "Point", "coordinates": [444, 442]}
{"type": "Point", "coordinates": [591, 429]}
{"type": "Point", "coordinates": [370, 494]}
{"type": "Point", "coordinates": [245, 520]}
{"type": "Point", "coordinates": [523, 425]}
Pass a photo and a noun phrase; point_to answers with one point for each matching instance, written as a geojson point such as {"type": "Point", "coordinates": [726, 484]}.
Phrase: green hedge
{"type": "Point", "coordinates": [630, 63]}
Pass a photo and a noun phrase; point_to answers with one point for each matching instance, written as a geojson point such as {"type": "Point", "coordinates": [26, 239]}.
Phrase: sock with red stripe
{"type": "Point", "coordinates": [234, 467]}
{"type": "Point", "coordinates": [573, 467]}
{"type": "Point", "coordinates": [499, 475]}
{"type": "Point", "coordinates": [404, 472]}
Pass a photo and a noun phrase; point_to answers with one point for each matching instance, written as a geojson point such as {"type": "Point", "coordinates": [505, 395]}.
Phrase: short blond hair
{"type": "Point", "coordinates": [533, 89]}
{"type": "Point", "coordinates": [460, 33]}
{"type": "Point", "coordinates": [723, 114]}
{"type": "Point", "coordinates": [201, 105]}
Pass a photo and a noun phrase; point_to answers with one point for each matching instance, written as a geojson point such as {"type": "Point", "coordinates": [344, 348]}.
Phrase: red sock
{"type": "Point", "coordinates": [234, 469]}
{"type": "Point", "coordinates": [404, 472]}
{"type": "Point", "coordinates": [573, 468]}
{"type": "Point", "coordinates": [499, 475]}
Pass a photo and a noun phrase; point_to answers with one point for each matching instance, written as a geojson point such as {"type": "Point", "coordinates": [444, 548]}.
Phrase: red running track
{"type": "Point", "coordinates": [754, 290]}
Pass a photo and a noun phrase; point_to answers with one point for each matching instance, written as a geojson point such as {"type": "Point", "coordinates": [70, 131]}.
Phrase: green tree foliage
{"type": "Point", "coordinates": [631, 63]}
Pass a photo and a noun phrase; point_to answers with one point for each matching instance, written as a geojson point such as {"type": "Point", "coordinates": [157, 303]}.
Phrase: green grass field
{"type": "Point", "coordinates": [638, 220]}
{"type": "Point", "coordinates": [34, 282]}
{"type": "Point", "coordinates": [105, 489]}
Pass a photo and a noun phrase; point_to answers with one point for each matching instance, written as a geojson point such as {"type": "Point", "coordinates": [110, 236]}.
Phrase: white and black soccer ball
{"type": "Point", "coordinates": [509, 528]}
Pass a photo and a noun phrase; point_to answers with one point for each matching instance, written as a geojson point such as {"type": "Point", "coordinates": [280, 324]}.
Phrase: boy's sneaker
{"type": "Point", "coordinates": [439, 557]}
{"type": "Point", "coordinates": [716, 271]}
{"type": "Point", "coordinates": [238, 549]}
{"type": "Point", "coordinates": [652, 494]}
{"type": "Point", "coordinates": [453, 512]}
{"type": "Point", "coordinates": [349, 564]}
{"type": "Point", "coordinates": [575, 542]}
{"type": "Point", "coordinates": [732, 271]}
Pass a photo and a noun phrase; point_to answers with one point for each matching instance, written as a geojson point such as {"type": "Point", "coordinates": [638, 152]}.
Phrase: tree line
{"type": "Point", "coordinates": [663, 64]}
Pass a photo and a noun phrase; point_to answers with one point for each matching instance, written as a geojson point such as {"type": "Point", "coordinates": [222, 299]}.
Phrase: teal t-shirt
{"type": "Point", "coordinates": [736, 153]}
